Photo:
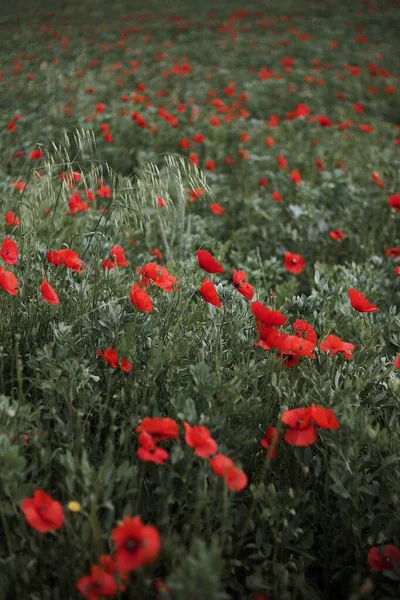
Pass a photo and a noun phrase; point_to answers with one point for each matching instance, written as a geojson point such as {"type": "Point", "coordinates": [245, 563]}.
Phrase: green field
{"type": "Point", "coordinates": [199, 284]}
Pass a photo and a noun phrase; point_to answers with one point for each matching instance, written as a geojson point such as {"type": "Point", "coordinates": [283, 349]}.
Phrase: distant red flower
{"type": "Point", "coordinates": [217, 209]}
{"type": "Point", "coordinates": [36, 154]}
{"type": "Point", "coordinates": [157, 253]}
{"type": "Point", "coordinates": [366, 128]}
{"type": "Point", "coordinates": [12, 219]}
{"type": "Point", "coordinates": [359, 302]}
{"type": "Point", "coordinates": [277, 196]}
{"type": "Point", "coordinates": [116, 258]}
{"type": "Point", "coordinates": [149, 452]}
{"type": "Point", "coordinates": [66, 257]}
{"type": "Point", "coordinates": [209, 165]}
{"type": "Point", "coordinates": [140, 299]}
{"type": "Point", "coordinates": [269, 141]}
{"type": "Point", "coordinates": [136, 544]}
{"type": "Point", "coordinates": [110, 355]}
{"type": "Point", "coordinates": [242, 286]}
{"type": "Point", "coordinates": [303, 423]}
{"type": "Point", "coordinates": [198, 138]}
{"type": "Point", "coordinates": [376, 178]}
{"type": "Point", "coordinates": [295, 176]}
{"type": "Point", "coordinates": [97, 585]}
{"type": "Point", "coordinates": [9, 251]}
{"type": "Point", "coordinates": [8, 282]}
{"type": "Point", "coordinates": [394, 201]}
{"type": "Point", "coordinates": [294, 263]}
{"type": "Point", "coordinates": [208, 263]}
{"type": "Point", "coordinates": [334, 344]}
{"type": "Point", "coordinates": [337, 235]}
{"type": "Point", "coordinates": [199, 438]}
{"type": "Point", "coordinates": [209, 293]}
{"type": "Point", "coordinates": [263, 182]}
{"type": "Point", "coordinates": [48, 293]}
{"type": "Point", "coordinates": [235, 478]}
{"type": "Point", "coordinates": [272, 318]}
{"type": "Point", "coordinates": [76, 204]}
{"type": "Point", "coordinates": [396, 362]}
{"type": "Point", "coordinates": [42, 512]}
{"type": "Point", "coordinates": [393, 252]}
{"type": "Point", "coordinates": [195, 193]}
{"type": "Point", "coordinates": [158, 274]}
{"type": "Point", "coordinates": [319, 164]}
{"type": "Point", "coordinates": [384, 559]}
{"type": "Point", "coordinates": [270, 442]}
{"type": "Point", "coordinates": [282, 162]}
{"type": "Point", "coordinates": [160, 428]}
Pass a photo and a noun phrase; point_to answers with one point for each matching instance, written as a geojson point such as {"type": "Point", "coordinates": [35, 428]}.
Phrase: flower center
{"type": "Point", "coordinates": [130, 545]}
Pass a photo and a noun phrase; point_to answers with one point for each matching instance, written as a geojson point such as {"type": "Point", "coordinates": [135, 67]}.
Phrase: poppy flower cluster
{"type": "Point", "coordinates": [110, 355]}
{"type": "Point", "coordinates": [153, 430]}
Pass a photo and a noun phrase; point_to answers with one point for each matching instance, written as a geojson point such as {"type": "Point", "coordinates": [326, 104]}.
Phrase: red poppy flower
{"type": "Point", "coordinates": [42, 512]}
{"type": "Point", "coordinates": [217, 209]}
{"type": "Point", "coordinates": [8, 282]}
{"type": "Point", "coordinates": [269, 141]}
{"type": "Point", "coordinates": [12, 219]}
{"type": "Point", "coordinates": [235, 478]}
{"type": "Point", "coordinates": [334, 344]}
{"type": "Point", "coordinates": [35, 155]}
{"type": "Point", "coordinates": [116, 258]}
{"type": "Point", "coordinates": [366, 128]}
{"type": "Point", "coordinates": [303, 422]}
{"type": "Point", "coordinates": [270, 442]}
{"type": "Point", "coordinates": [149, 452]}
{"type": "Point", "coordinates": [208, 263]}
{"type": "Point", "coordinates": [199, 438]}
{"type": "Point", "coordinates": [295, 176]}
{"type": "Point", "coordinates": [337, 235]}
{"type": "Point", "coordinates": [209, 293]}
{"type": "Point", "coordinates": [304, 327]}
{"type": "Point", "coordinates": [160, 428]}
{"type": "Point", "coordinates": [209, 165]}
{"type": "Point", "coordinates": [294, 263]}
{"type": "Point", "coordinates": [282, 162]}
{"type": "Point", "coordinates": [376, 178]}
{"type": "Point", "coordinates": [277, 196]}
{"type": "Point", "coordinates": [198, 138]}
{"type": "Point", "coordinates": [9, 251]}
{"type": "Point", "coordinates": [393, 252]}
{"type": "Point", "coordinates": [110, 356]}
{"type": "Point", "coordinates": [140, 299]}
{"type": "Point", "coordinates": [396, 362]}
{"type": "Point", "coordinates": [394, 201]}
{"type": "Point", "coordinates": [136, 544]}
{"type": "Point", "coordinates": [97, 585]}
{"type": "Point", "coordinates": [159, 275]}
{"type": "Point", "coordinates": [263, 182]}
{"type": "Point", "coordinates": [48, 293]}
{"type": "Point", "coordinates": [195, 193]}
{"type": "Point", "coordinates": [272, 318]}
{"type": "Point", "coordinates": [359, 302]}
{"type": "Point", "coordinates": [241, 285]}
{"type": "Point", "coordinates": [384, 559]}
{"type": "Point", "coordinates": [157, 253]}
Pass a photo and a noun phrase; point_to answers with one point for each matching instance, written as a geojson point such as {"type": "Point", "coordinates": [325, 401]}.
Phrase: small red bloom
{"type": "Point", "coordinates": [396, 362]}
{"type": "Point", "coordinates": [136, 544]}
{"type": "Point", "coordinates": [140, 299]}
{"type": "Point", "coordinates": [149, 452]}
{"type": "Point", "coordinates": [295, 176]}
{"type": "Point", "coordinates": [208, 263]}
{"type": "Point", "coordinates": [209, 293]}
{"type": "Point", "coordinates": [235, 478]}
{"type": "Point", "coordinates": [199, 438]}
{"type": "Point", "coordinates": [294, 263]}
{"type": "Point", "coordinates": [8, 282]}
{"type": "Point", "coordinates": [98, 584]}
{"type": "Point", "coordinates": [42, 512]}
{"type": "Point", "coordinates": [270, 442]}
{"type": "Point", "coordinates": [36, 155]}
{"type": "Point", "coordinates": [48, 293]}
{"type": "Point", "coordinates": [9, 251]}
{"type": "Point", "coordinates": [272, 318]}
{"type": "Point", "coordinates": [12, 219]}
{"type": "Point", "coordinates": [217, 209]}
{"type": "Point", "coordinates": [359, 302]}
{"type": "Point", "coordinates": [282, 162]}
{"type": "Point", "coordinates": [337, 235]}
{"type": "Point", "coordinates": [241, 285]}
{"type": "Point", "coordinates": [334, 344]}
{"type": "Point", "coordinates": [160, 428]}
{"type": "Point", "coordinates": [277, 196]}
{"type": "Point", "coordinates": [384, 559]}
{"type": "Point", "coordinates": [394, 201]}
